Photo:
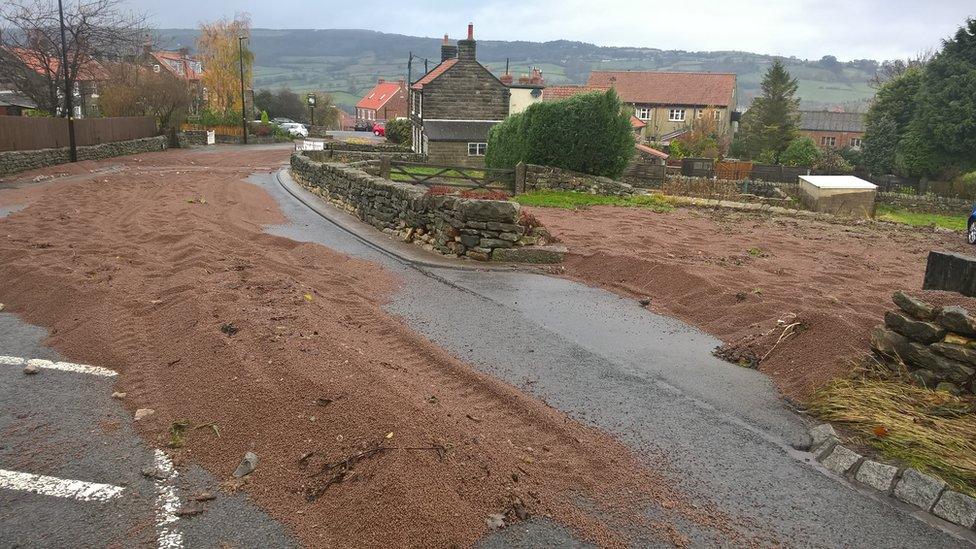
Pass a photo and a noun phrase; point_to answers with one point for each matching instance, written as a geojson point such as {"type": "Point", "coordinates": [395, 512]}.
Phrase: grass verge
{"type": "Point", "coordinates": [954, 222]}
{"type": "Point", "coordinates": [929, 430]}
{"type": "Point", "coordinates": [573, 200]}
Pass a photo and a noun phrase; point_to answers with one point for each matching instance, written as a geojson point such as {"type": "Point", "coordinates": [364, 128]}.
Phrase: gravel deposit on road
{"type": "Point", "coordinates": [736, 274]}
{"type": "Point", "coordinates": [366, 434]}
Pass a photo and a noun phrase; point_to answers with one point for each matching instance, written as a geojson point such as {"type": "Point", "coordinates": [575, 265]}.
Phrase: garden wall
{"type": "Point", "coordinates": [936, 344]}
{"type": "Point", "coordinates": [479, 229]}
{"type": "Point", "coordinates": [546, 177]}
{"type": "Point", "coordinates": [926, 203]}
{"type": "Point", "coordinates": [18, 161]}
{"type": "Point", "coordinates": [777, 194]}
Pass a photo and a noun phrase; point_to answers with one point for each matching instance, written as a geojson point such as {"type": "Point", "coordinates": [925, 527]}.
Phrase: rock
{"type": "Point", "coordinates": [955, 352]}
{"type": "Point", "coordinates": [951, 272]}
{"type": "Point", "coordinates": [495, 243]}
{"type": "Point", "coordinates": [822, 433]}
{"type": "Point", "coordinates": [644, 302]}
{"type": "Point", "coordinates": [918, 489]}
{"type": "Point", "coordinates": [1, 306]}
{"type": "Point", "coordinates": [956, 339]}
{"type": "Point", "coordinates": [470, 240]}
{"type": "Point", "coordinates": [914, 307]}
{"type": "Point", "coordinates": [530, 254]}
{"type": "Point", "coordinates": [944, 368]}
{"type": "Point", "coordinates": [490, 210]}
{"type": "Point", "coordinates": [511, 237]}
{"type": "Point", "coordinates": [143, 413]}
{"type": "Point", "coordinates": [495, 520]}
{"type": "Point", "coordinates": [876, 475]}
{"type": "Point", "coordinates": [118, 395]}
{"type": "Point", "coordinates": [925, 378]}
{"type": "Point", "coordinates": [948, 387]}
{"type": "Point", "coordinates": [247, 466]}
{"type": "Point", "coordinates": [917, 330]}
{"type": "Point", "coordinates": [956, 319]}
{"type": "Point", "coordinates": [31, 368]}
{"type": "Point", "coordinates": [956, 508]}
{"type": "Point", "coordinates": [478, 255]}
{"type": "Point", "coordinates": [841, 459]}
{"type": "Point", "coordinates": [888, 342]}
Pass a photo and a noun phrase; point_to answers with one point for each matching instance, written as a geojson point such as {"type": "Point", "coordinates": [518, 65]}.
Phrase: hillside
{"type": "Point", "coordinates": [348, 62]}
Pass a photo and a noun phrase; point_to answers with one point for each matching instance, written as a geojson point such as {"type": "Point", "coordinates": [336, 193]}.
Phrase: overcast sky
{"type": "Point", "coordinates": [847, 29]}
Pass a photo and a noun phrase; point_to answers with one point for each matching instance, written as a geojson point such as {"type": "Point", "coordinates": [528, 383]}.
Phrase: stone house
{"type": "Point", "coordinates": [386, 101]}
{"type": "Point", "coordinates": [669, 102]}
{"type": "Point", "coordinates": [453, 106]}
{"type": "Point", "coordinates": [833, 130]}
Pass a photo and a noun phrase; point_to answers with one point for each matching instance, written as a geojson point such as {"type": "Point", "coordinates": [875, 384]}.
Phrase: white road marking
{"type": "Point", "coordinates": [168, 536]}
{"type": "Point", "coordinates": [62, 366]}
{"type": "Point", "coordinates": [58, 487]}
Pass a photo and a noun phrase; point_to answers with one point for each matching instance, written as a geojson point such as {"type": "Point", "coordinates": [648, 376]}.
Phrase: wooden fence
{"type": "Point", "coordinates": [23, 133]}
{"type": "Point", "coordinates": [448, 176]}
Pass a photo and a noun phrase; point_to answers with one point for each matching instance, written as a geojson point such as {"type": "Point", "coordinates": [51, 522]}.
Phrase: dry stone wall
{"type": "Point", "coordinates": [936, 344]}
{"type": "Point", "coordinates": [546, 177]}
{"type": "Point", "coordinates": [479, 229]}
{"type": "Point", "coordinates": [12, 162]}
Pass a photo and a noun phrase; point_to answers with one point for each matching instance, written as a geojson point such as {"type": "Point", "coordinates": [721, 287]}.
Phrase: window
{"type": "Point", "coordinates": [156, 68]}
{"type": "Point", "coordinates": [828, 141]}
{"type": "Point", "coordinates": [643, 113]}
{"type": "Point", "coordinates": [676, 115]}
{"type": "Point", "coordinates": [855, 142]}
{"type": "Point", "coordinates": [477, 149]}
{"type": "Point", "coordinates": [417, 104]}
{"type": "Point", "coordinates": [717, 114]}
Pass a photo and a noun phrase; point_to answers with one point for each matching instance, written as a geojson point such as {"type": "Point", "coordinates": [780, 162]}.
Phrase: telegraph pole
{"type": "Point", "coordinates": [240, 49]}
{"type": "Point", "coordinates": [68, 109]}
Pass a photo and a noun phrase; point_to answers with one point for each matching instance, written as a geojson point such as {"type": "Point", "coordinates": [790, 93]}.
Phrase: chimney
{"type": "Point", "coordinates": [466, 48]}
{"type": "Point", "coordinates": [381, 81]}
{"type": "Point", "coordinates": [506, 79]}
{"type": "Point", "coordinates": [447, 50]}
{"type": "Point", "coordinates": [536, 78]}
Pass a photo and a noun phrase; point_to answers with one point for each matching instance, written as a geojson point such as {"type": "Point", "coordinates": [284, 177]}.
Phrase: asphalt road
{"type": "Point", "coordinates": [718, 431]}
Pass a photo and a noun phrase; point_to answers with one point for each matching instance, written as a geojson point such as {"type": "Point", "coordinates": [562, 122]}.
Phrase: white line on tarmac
{"type": "Point", "coordinates": [58, 487]}
{"type": "Point", "coordinates": [168, 536]}
{"type": "Point", "coordinates": [62, 366]}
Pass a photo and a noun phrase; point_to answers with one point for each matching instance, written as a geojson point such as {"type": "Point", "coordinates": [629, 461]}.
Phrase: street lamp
{"type": "Point", "coordinates": [67, 89]}
{"type": "Point", "coordinates": [240, 49]}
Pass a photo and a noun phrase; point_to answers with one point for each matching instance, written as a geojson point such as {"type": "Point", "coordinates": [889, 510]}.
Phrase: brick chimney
{"type": "Point", "coordinates": [447, 50]}
{"type": "Point", "coordinates": [506, 79]}
{"type": "Point", "coordinates": [536, 78]}
{"type": "Point", "coordinates": [381, 81]}
{"type": "Point", "coordinates": [466, 48]}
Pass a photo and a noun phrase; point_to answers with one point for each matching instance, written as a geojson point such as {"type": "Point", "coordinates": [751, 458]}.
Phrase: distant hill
{"type": "Point", "coordinates": [348, 62]}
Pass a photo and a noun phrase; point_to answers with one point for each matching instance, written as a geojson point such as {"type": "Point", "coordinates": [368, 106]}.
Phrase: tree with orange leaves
{"type": "Point", "coordinates": [220, 50]}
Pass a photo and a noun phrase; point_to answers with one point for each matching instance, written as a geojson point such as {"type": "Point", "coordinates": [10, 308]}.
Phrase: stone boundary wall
{"type": "Point", "coordinates": [12, 162]}
{"type": "Point", "coordinates": [936, 344]}
{"type": "Point", "coordinates": [365, 147]}
{"type": "Point", "coordinates": [347, 156]}
{"type": "Point", "coordinates": [915, 488]}
{"type": "Point", "coordinates": [479, 229]}
{"type": "Point", "coordinates": [775, 194]}
{"type": "Point", "coordinates": [926, 203]}
{"type": "Point", "coordinates": [539, 178]}
{"type": "Point", "coordinates": [191, 138]}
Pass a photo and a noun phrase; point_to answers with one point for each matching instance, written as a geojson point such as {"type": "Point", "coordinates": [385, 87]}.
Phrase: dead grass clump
{"type": "Point", "coordinates": [929, 430]}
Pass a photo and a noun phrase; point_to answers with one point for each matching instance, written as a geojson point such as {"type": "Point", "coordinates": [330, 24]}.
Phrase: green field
{"type": "Point", "coordinates": [573, 201]}
{"type": "Point", "coordinates": [953, 222]}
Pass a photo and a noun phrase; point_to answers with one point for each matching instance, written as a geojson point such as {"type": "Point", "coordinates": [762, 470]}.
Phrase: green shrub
{"type": "Point", "coordinates": [588, 133]}
{"type": "Point", "coordinates": [802, 151]}
{"type": "Point", "coordinates": [677, 149]}
{"type": "Point", "coordinates": [400, 131]}
{"type": "Point", "coordinates": [264, 117]}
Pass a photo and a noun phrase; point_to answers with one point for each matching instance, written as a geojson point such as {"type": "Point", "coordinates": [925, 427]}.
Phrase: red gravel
{"type": "Point", "coordinates": [149, 270]}
{"type": "Point", "coordinates": [695, 264]}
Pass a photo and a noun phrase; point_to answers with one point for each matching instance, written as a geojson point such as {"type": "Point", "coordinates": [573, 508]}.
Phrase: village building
{"type": "Point", "coordinates": [85, 92]}
{"type": "Point", "coordinates": [833, 130]}
{"type": "Point", "coordinates": [453, 106]}
{"type": "Point", "coordinates": [386, 101]}
{"type": "Point", "coordinates": [182, 66]}
{"type": "Point", "coordinates": [667, 103]}
{"type": "Point", "coordinates": [526, 91]}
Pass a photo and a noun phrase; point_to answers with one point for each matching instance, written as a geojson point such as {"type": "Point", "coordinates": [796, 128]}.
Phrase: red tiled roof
{"type": "Point", "coordinates": [651, 151]}
{"type": "Point", "coordinates": [188, 73]}
{"type": "Point", "coordinates": [437, 71]}
{"type": "Point", "coordinates": [668, 88]}
{"type": "Point", "coordinates": [555, 93]}
{"type": "Point", "coordinates": [379, 95]}
{"type": "Point", "coordinates": [636, 123]}
{"type": "Point", "coordinates": [90, 70]}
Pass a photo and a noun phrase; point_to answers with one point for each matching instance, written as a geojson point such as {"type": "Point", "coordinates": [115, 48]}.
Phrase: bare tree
{"type": "Point", "coordinates": [31, 47]}
{"type": "Point", "coordinates": [134, 90]}
{"type": "Point", "coordinates": [889, 70]}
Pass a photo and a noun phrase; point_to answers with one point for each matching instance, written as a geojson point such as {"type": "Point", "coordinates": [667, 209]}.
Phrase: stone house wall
{"type": "Point", "coordinates": [12, 162]}
{"type": "Point", "coordinates": [451, 225]}
{"type": "Point", "coordinates": [453, 153]}
{"type": "Point", "coordinates": [466, 91]}
{"type": "Point", "coordinates": [936, 344]}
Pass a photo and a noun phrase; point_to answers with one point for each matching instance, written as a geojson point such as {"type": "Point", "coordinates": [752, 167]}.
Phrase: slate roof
{"type": "Point", "coordinates": [703, 89]}
{"type": "Point", "coordinates": [379, 96]}
{"type": "Point", "coordinates": [437, 71]}
{"type": "Point", "coordinates": [827, 121]}
{"type": "Point", "coordinates": [457, 130]}
{"type": "Point", "coordinates": [9, 99]}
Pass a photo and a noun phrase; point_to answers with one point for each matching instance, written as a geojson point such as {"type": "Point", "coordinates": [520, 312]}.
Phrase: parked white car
{"type": "Point", "coordinates": [295, 129]}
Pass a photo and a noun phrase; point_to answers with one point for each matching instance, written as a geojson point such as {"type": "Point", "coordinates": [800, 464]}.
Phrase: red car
{"type": "Point", "coordinates": [379, 129]}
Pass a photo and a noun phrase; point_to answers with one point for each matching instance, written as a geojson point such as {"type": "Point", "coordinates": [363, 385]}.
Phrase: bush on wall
{"type": "Point", "coordinates": [399, 131]}
{"type": "Point", "coordinates": [588, 133]}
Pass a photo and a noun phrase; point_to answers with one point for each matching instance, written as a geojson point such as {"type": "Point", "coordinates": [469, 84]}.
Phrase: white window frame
{"type": "Point", "coordinates": [479, 148]}
{"type": "Point", "coordinates": [676, 115]}
{"type": "Point", "coordinates": [717, 114]}
{"type": "Point", "coordinates": [856, 142]}
{"type": "Point", "coordinates": [828, 141]}
{"type": "Point", "coordinates": [643, 113]}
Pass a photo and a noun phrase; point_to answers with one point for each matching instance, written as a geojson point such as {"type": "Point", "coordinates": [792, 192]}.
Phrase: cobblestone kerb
{"type": "Point", "coordinates": [936, 344]}
{"type": "Point", "coordinates": [479, 229]}
{"type": "Point", "coordinates": [910, 486]}
{"type": "Point", "coordinates": [12, 162]}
